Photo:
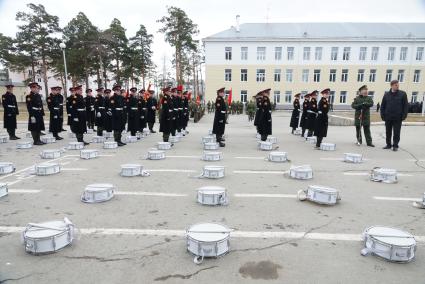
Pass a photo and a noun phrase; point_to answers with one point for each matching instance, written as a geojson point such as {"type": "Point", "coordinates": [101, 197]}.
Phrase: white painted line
{"type": "Point", "coordinates": [106, 155]}
{"type": "Point", "coordinates": [19, 180]}
{"type": "Point", "coordinates": [171, 170]}
{"type": "Point", "coordinates": [251, 158]}
{"type": "Point", "coordinates": [74, 169]}
{"type": "Point", "coordinates": [368, 173]}
{"type": "Point", "coordinates": [338, 159]}
{"type": "Point", "coordinates": [414, 160]}
{"type": "Point", "coordinates": [265, 195]}
{"type": "Point", "coordinates": [24, 191]}
{"type": "Point", "coordinates": [145, 193]}
{"type": "Point", "coordinates": [185, 157]}
{"type": "Point", "coordinates": [260, 172]}
{"type": "Point", "coordinates": [397, 198]}
{"type": "Point", "coordinates": [235, 234]}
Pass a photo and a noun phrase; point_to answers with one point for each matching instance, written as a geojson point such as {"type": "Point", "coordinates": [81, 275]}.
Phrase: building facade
{"type": "Point", "coordinates": [295, 58]}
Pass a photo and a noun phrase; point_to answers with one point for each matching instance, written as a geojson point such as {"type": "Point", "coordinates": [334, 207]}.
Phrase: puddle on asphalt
{"type": "Point", "coordinates": [265, 270]}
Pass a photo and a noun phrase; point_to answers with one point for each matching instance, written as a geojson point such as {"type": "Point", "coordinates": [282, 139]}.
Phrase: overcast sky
{"type": "Point", "coordinates": [216, 15]}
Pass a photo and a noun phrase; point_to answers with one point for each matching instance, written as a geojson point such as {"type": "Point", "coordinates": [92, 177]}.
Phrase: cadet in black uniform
{"type": "Point", "coordinates": [174, 118]}
{"type": "Point", "coordinates": [54, 104]}
{"type": "Point", "coordinates": [151, 105]}
{"type": "Point", "coordinates": [185, 103]}
{"type": "Point", "coordinates": [68, 104]}
{"type": "Point", "coordinates": [142, 110]}
{"type": "Point", "coordinates": [304, 115]}
{"type": "Point", "coordinates": [165, 120]}
{"type": "Point", "coordinates": [10, 107]}
{"type": "Point", "coordinates": [321, 129]}
{"type": "Point", "coordinates": [258, 100]}
{"type": "Point", "coordinates": [116, 103]}
{"type": "Point", "coordinates": [295, 117]}
{"type": "Point", "coordinates": [89, 100]}
{"type": "Point", "coordinates": [179, 118]}
{"type": "Point", "coordinates": [108, 113]}
{"type": "Point", "coordinates": [79, 115]}
{"type": "Point", "coordinates": [36, 113]}
{"type": "Point", "coordinates": [99, 107]}
{"type": "Point", "coordinates": [265, 121]}
{"type": "Point", "coordinates": [220, 117]}
{"type": "Point", "coordinates": [133, 112]}
{"type": "Point", "coordinates": [312, 113]}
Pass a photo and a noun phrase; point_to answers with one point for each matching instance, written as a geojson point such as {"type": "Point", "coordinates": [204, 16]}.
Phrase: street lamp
{"type": "Point", "coordinates": [63, 46]}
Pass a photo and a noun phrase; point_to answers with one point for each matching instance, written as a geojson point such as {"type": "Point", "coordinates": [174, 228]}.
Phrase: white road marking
{"type": "Point", "coordinates": [74, 169]}
{"type": "Point", "coordinates": [260, 172]}
{"type": "Point", "coordinates": [397, 198]}
{"type": "Point", "coordinates": [106, 155]}
{"type": "Point", "coordinates": [145, 193]}
{"type": "Point", "coordinates": [414, 160]}
{"type": "Point", "coordinates": [265, 195]}
{"type": "Point", "coordinates": [20, 179]}
{"type": "Point", "coordinates": [24, 191]}
{"type": "Point", "coordinates": [368, 173]}
{"type": "Point", "coordinates": [234, 234]}
{"type": "Point", "coordinates": [185, 157]}
{"type": "Point", "coordinates": [171, 170]}
{"type": "Point", "coordinates": [251, 158]}
{"type": "Point", "coordinates": [331, 159]}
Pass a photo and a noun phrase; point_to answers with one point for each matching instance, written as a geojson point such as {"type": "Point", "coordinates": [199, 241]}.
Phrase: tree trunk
{"type": "Point", "coordinates": [118, 70]}
{"type": "Point", "coordinates": [43, 58]}
{"type": "Point", "coordinates": [33, 68]}
{"type": "Point", "coordinates": [99, 80]}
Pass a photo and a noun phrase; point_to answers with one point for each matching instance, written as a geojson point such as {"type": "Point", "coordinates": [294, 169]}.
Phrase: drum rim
{"type": "Point", "coordinates": [409, 235]}
{"type": "Point", "coordinates": [227, 234]}
{"type": "Point", "coordinates": [63, 230]}
{"type": "Point", "coordinates": [323, 189]}
{"type": "Point", "coordinates": [97, 201]}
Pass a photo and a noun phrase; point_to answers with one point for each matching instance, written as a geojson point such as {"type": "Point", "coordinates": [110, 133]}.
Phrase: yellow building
{"type": "Point", "coordinates": [295, 58]}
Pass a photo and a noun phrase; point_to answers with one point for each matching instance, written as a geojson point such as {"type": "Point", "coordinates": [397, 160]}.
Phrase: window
{"type": "Point", "coordinates": [363, 53]}
{"type": "Point", "coordinates": [403, 53]}
{"type": "Point", "coordinates": [371, 94]}
{"type": "Point", "coordinates": [228, 75]}
{"type": "Point", "coordinates": [228, 53]}
{"type": "Point", "coordinates": [419, 53]}
{"type": "Point", "coordinates": [288, 97]}
{"type": "Point", "coordinates": [414, 98]}
{"type": "Point", "coordinates": [39, 71]}
{"type": "Point", "coordinates": [244, 53]}
{"type": "Point", "coordinates": [244, 75]}
{"type": "Point", "coordinates": [277, 75]}
{"type": "Point", "coordinates": [318, 53]}
{"type": "Point", "coordinates": [400, 76]}
{"type": "Point", "coordinates": [304, 77]}
{"type": "Point", "coordinates": [375, 53]}
{"type": "Point", "coordinates": [289, 75]}
{"type": "Point", "coordinates": [303, 93]}
{"type": "Point", "coordinates": [306, 53]}
{"type": "Point", "coordinates": [39, 80]}
{"type": "Point", "coordinates": [276, 97]}
{"type": "Point", "coordinates": [391, 51]}
{"type": "Point", "coordinates": [343, 97]}
{"type": "Point", "coordinates": [261, 75]}
{"type": "Point", "coordinates": [344, 75]}
{"type": "Point", "coordinates": [372, 75]}
{"type": "Point", "coordinates": [389, 75]}
{"type": "Point", "coordinates": [316, 75]}
{"type": "Point", "coordinates": [332, 75]}
{"type": "Point", "coordinates": [334, 53]}
{"type": "Point", "coordinates": [261, 53]}
{"type": "Point", "coordinates": [360, 75]}
{"type": "Point", "coordinates": [29, 72]}
{"type": "Point", "coordinates": [346, 54]}
{"type": "Point", "coordinates": [278, 53]}
{"type": "Point", "coordinates": [416, 76]}
{"type": "Point", "coordinates": [332, 97]}
{"type": "Point", "coordinates": [290, 51]}
{"type": "Point", "coordinates": [244, 96]}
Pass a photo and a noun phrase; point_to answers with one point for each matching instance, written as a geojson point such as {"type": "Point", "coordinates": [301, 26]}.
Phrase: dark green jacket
{"type": "Point", "coordinates": [362, 105]}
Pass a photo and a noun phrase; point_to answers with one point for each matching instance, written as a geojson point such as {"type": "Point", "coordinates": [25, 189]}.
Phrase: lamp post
{"type": "Point", "coordinates": [63, 46]}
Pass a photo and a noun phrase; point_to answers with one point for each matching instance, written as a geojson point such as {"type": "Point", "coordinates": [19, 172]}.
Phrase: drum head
{"type": "Point", "coordinates": [208, 232]}
{"type": "Point", "coordinates": [131, 166]}
{"type": "Point", "coordinates": [214, 168]}
{"type": "Point", "coordinates": [98, 187]}
{"type": "Point", "coordinates": [36, 232]}
{"type": "Point", "coordinates": [391, 236]}
{"type": "Point", "coordinates": [319, 188]}
{"type": "Point", "coordinates": [212, 189]}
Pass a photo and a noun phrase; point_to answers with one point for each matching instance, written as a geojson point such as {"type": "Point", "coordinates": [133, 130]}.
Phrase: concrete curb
{"type": "Point", "coordinates": [337, 120]}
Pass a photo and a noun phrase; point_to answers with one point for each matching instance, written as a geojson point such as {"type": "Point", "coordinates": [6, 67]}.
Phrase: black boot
{"type": "Point", "coordinates": [11, 135]}
{"type": "Point", "coordinates": [36, 138]}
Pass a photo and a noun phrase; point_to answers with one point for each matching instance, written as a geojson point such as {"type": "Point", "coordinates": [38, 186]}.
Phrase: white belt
{"type": "Point", "coordinates": [223, 111]}
{"type": "Point", "coordinates": [270, 111]}
{"type": "Point", "coordinates": [185, 108]}
{"type": "Point", "coordinates": [134, 108]}
{"type": "Point", "coordinates": [118, 108]}
{"type": "Point", "coordinates": [310, 111]}
{"type": "Point", "coordinates": [11, 106]}
{"type": "Point", "coordinates": [180, 108]}
{"type": "Point", "coordinates": [101, 107]}
{"type": "Point", "coordinates": [36, 108]}
{"type": "Point", "coordinates": [319, 111]}
{"type": "Point", "coordinates": [175, 109]}
{"type": "Point", "coordinates": [170, 110]}
{"type": "Point", "coordinates": [56, 108]}
{"type": "Point", "coordinates": [144, 108]}
{"type": "Point", "coordinates": [61, 104]}
{"type": "Point", "coordinates": [81, 109]}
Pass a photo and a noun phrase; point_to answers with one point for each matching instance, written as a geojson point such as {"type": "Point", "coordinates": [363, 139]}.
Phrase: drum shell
{"type": "Point", "coordinates": [211, 146]}
{"type": "Point", "coordinates": [301, 173]}
{"type": "Point", "coordinates": [213, 172]}
{"type": "Point", "coordinates": [98, 139]}
{"type": "Point", "coordinates": [50, 154]}
{"type": "Point", "coordinates": [131, 139]}
{"type": "Point", "coordinates": [382, 176]}
{"type": "Point", "coordinates": [353, 158]}
{"type": "Point", "coordinates": [89, 154]}
{"type": "Point", "coordinates": [208, 249]}
{"type": "Point", "coordinates": [131, 170]}
{"type": "Point", "coordinates": [45, 170]}
{"type": "Point", "coordinates": [24, 145]}
{"type": "Point", "coordinates": [90, 131]}
{"type": "Point", "coordinates": [390, 252]}
{"type": "Point", "coordinates": [265, 146]}
{"type": "Point", "coordinates": [110, 145]}
{"type": "Point", "coordinates": [6, 168]}
{"type": "Point", "coordinates": [297, 131]}
{"type": "Point", "coordinates": [217, 197]}
{"type": "Point", "coordinates": [75, 145]}
{"type": "Point", "coordinates": [156, 155]}
{"type": "Point", "coordinates": [98, 195]}
{"type": "Point", "coordinates": [4, 190]}
{"type": "Point", "coordinates": [208, 139]}
{"type": "Point", "coordinates": [212, 156]}
{"type": "Point", "coordinates": [322, 197]}
{"type": "Point", "coordinates": [4, 139]}
{"type": "Point", "coordinates": [174, 139]}
{"type": "Point", "coordinates": [278, 157]}
{"type": "Point", "coordinates": [272, 139]}
{"type": "Point", "coordinates": [311, 140]}
{"type": "Point", "coordinates": [108, 135]}
{"type": "Point", "coordinates": [48, 139]}
{"type": "Point", "coordinates": [163, 145]}
{"type": "Point", "coordinates": [327, 147]}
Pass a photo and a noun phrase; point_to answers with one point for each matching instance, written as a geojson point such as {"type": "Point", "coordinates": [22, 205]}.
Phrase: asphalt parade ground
{"type": "Point", "coordinates": [139, 235]}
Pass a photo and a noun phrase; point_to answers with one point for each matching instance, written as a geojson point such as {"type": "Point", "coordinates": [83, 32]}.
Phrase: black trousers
{"type": "Point", "coordinates": [264, 137]}
{"type": "Point", "coordinates": [319, 141]}
{"type": "Point", "coordinates": [165, 136]}
{"type": "Point", "coordinates": [392, 128]}
{"type": "Point", "coordinates": [366, 130]}
{"type": "Point", "coordinates": [150, 124]}
{"type": "Point", "coordinates": [99, 131]}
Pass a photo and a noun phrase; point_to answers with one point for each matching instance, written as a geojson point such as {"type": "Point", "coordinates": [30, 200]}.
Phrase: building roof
{"type": "Point", "coordinates": [322, 31]}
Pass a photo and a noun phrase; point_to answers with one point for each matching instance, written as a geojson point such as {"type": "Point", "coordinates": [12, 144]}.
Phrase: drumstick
{"type": "Point", "coordinates": [389, 236]}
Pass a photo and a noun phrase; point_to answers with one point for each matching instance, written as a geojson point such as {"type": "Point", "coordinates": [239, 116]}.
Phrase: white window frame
{"type": "Point", "coordinates": [388, 75]}
{"type": "Point", "coordinates": [403, 53]}
{"type": "Point", "coordinates": [346, 53]}
{"type": "Point", "coordinates": [332, 75]}
{"type": "Point", "coordinates": [400, 75]}
{"type": "Point", "coordinates": [417, 76]}
{"type": "Point", "coordinates": [261, 53]}
{"type": "Point", "coordinates": [360, 75]}
{"type": "Point", "coordinates": [228, 53]}
{"type": "Point", "coordinates": [375, 53]}
{"type": "Point", "coordinates": [260, 76]}
{"type": "Point", "coordinates": [414, 97]}
{"type": "Point", "coordinates": [244, 75]}
{"type": "Point", "coordinates": [288, 97]}
{"type": "Point", "coordinates": [278, 53]}
{"type": "Point", "coordinates": [276, 97]}
{"type": "Point", "coordinates": [289, 75]}
{"type": "Point", "coordinates": [306, 53]}
{"type": "Point", "coordinates": [372, 75]}
{"type": "Point", "coordinates": [344, 75]}
{"type": "Point", "coordinates": [334, 53]}
{"type": "Point", "coordinates": [363, 53]}
{"type": "Point", "coordinates": [391, 53]}
{"type": "Point", "coordinates": [343, 97]}
{"type": "Point", "coordinates": [419, 53]}
{"type": "Point", "coordinates": [244, 96]}
{"type": "Point", "coordinates": [244, 53]}
{"type": "Point", "coordinates": [290, 53]}
{"type": "Point", "coordinates": [227, 75]}
{"type": "Point", "coordinates": [318, 53]}
{"type": "Point", "coordinates": [277, 75]}
{"type": "Point", "coordinates": [316, 75]}
{"type": "Point", "coordinates": [304, 75]}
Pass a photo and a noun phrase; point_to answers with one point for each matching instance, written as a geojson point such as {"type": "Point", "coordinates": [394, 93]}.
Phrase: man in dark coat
{"type": "Point", "coordinates": [35, 112]}
{"type": "Point", "coordinates": [220, 117]}
{"type": "Point", "coordinates": [321, 127]}
{"type": "Point", "coordinates": [185, 118]}
{"type": "Point", "coordinates": [116, 103]}
{"type": "Point", "coordinates": [10, 107]}
{"type": "Point", "coordinates": [265, 121]}
{"type": "Point", "coordinates": [362, 104]}
{"type": "Point", "coordinates": [257, 111]}
{"type": "Point", "coordinates": [165, 120]}
{"type": "Point", "coordinates": [312, 113]}
{"type": "Point", "coordinates": [133, 113]}
{"type": "Point", "coordinates": [79, 115]}
{"type": "Point", "coordinates": [394, 109]}
{"type": "Point", "coordinates": [179, 119]}
{"type": "Point", "coordinates": [108, 113]}
{"type": "Point", "coordinates": [89, 100]}
{"type": "Point", "coordinates": [175, 117]}
{"type": "Point", "coordinates": [142, 110]}
{"type": "Point", "coordinates": [295, 117]}
{"type": "Point", "coordinates": [54, 104]}
{"type": "Point", "coordinates": [304, 115]}
{"type": "Point", "coordinates": [100, 111]}
{"type": "Point", "coordinates": [68, 104]}
{"type": "Point", "coordinates": [151, 106]}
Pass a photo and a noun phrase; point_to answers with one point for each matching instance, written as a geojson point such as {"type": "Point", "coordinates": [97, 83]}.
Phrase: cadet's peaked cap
{"type": "Point", "coordinates": [166, 89]}
{"type": "Point", "coordinates": [327, 90]}
{"type": "Point", "coordinates": [364, 87]}
{"type": "Point", "coordinates": [117, 86]}
{"type": "Point", "coordinates": [33, 84]}
{"type": "Point", "coordinates": [133, 89]}
{"type": "Point", "coordinates": [107, 91]}
{"type": "Point", "coordinates": [220, 90]}
{"type": "Point", "coordinates": [297, 94]}
{"type": "Point", "coordinates": [100, 89]}
{"type": "Point", "coordinates": [10, 86]}
{"type": "Point", "coordinates": [89, 90]}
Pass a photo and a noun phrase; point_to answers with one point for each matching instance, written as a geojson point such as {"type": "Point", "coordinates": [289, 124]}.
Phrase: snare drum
{"type": "Point", "coordinates": [207, 240]}
{"type": "Point", "coordinates": [301, 172]}
{"type": "Point", "coordinates": [272, 139]}
{"type": "Point", "coordinates": [211, 146]}
{"type": "Point", "coordinates": [384, 175]}
{"type": "Point", "coordinates": [163, 145]}
{"type": "Point", "coordinates": [4, 139]}
{"type": "Point", "coordinates": [50, 154]}
{"type": "Point", "coordinates": [48, 237]}
{"type": "Point", "coordinates": [389, 243]}
{"type": "Point", "coordinates": [327, 146]}
{"type": "Point", "coordinates": [212, 195]}
{"type": "Point", "coordinates": [213, 172]}
{"type": "Point", "coordinates": [98, 139]}
{"type": "Point", "coordinates": [278, 157]}
{"type": "Point", "coordinates": [110, 145]}
{"type": "Point", "coordinates": [265, 145]}
{"type": "Point", "coordinates": [46, 169]}
{"type": "Point", "coordinates": [6, 168]}
{"type": "Point", "coordinates": [131, 139]}
{"type": "Point", "coordinates": [108, 135]}
{"type": "Point", "coordinates": [24, 145]}
{"type": "Point", "coordinates": [156, 154]}
{"type": "Point", "coordinates": [210, 132]}
{"type": "Point", "coordinates": [212, 156]}
{"type": "Point", "coordinates": [208, 139]}
{"type": "Point", "coordinates": [89, 154]}
{"type": "Point", "coordinates": [174, 139]}
{"type": "Point", "coordinates": [90, 131]}
{"type": "Point", "coordinates": [48, 139]}
{"type": "Point", "coordinates": [419, 204]}
{"type": "Point", "coordinates": [3, 189]}
{"type": "Point", "coordinates": [311, 139]}
{"type": "Point", "coordinates": [28, 135]}
{"type": "Point", "coordinates": [353, 158]}
{"type": "Point", "coordinates": [75, 145]}
{"type": "Point", "coordinates": [297, 131]}
{"type": "Point", "coordinates": [131, 170]}
{"type": "Point", "coordinates": [98, 192]}
{"type": "Point", "coordinates": [320, 194]}
{"type": "Point", "coordinates": [146, 132]}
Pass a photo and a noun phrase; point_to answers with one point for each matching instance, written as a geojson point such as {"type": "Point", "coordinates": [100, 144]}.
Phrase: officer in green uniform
{"type": "Point", "coordinates": [362, 104]}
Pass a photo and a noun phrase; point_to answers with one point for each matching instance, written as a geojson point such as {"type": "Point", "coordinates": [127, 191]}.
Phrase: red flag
{"type": "Point", "coordinates": [230, 96]}
{"type": "Point", "coordinates": [198, 100]}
